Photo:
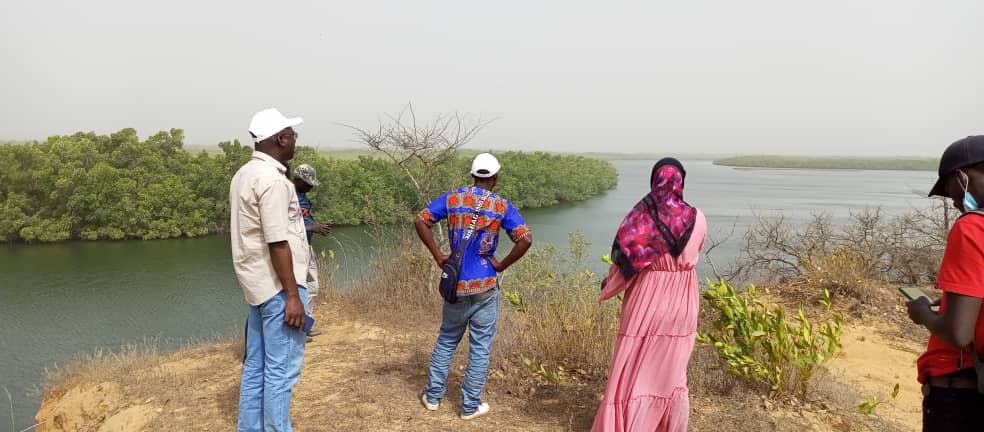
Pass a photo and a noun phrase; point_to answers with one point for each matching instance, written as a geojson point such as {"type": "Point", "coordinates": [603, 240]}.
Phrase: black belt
{"type": "Point", "coordinates": [962, 379]}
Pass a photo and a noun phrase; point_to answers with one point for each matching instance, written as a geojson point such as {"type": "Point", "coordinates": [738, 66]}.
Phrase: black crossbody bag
{"type": "Point", "coordinates": [451, 270]}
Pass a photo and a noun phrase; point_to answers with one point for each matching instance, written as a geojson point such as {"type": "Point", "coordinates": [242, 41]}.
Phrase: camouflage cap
{"type": "Point", "coordinates": [306, 173]}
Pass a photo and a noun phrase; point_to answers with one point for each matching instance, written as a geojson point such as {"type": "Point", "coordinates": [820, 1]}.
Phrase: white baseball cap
{"type": "Point", "coordinates": [484, 166]}
{"type": "Point", "coordinates": [269, 122]}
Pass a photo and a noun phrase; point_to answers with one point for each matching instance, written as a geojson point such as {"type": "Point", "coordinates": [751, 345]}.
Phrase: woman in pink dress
{"type": "Point", "coordinates": [653, 257]}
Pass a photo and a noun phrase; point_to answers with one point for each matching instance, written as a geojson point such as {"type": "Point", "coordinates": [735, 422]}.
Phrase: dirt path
{"type": "Point", "coordinates": [360, 377]}
{"type": "Point", "coordinates": [356, 377]}
{"type": "Point", "coordinates": [872, 363]}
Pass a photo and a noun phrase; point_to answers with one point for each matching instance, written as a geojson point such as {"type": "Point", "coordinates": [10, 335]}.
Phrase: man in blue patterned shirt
{"type": "Point", "coordinates": [305, 179]}
{"type": "Point", "coordinates": [477, 308]}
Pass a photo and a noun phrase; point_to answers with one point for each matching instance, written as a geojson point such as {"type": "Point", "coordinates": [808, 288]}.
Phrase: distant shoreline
{"type": "Point", "coordinates": [831, 163]}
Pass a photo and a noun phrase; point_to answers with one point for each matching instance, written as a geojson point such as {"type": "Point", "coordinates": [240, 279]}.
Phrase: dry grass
{"type": "Point", "coordinates": [357, 377]}
{"type": "Point", "coordinates": [553, 311]}
{"type": "Point", "coordinates": [365, 372]}
{"type": "Point", "coordinates": [98, 366]}
{"type": "Point", "coordinates": [138, 388]}
{"type": "Point", "coordinates": [904, 249]}
{"type": "Point", "coordinates": [549, 312]}
{"type": "Point", "coordinates": [106, 365]}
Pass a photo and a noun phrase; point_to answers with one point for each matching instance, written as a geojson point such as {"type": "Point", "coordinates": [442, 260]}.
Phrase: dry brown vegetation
{"type": "Point", "coordinates": [871, 246]}
{"type": "Point", "coordinates": [549, 361]}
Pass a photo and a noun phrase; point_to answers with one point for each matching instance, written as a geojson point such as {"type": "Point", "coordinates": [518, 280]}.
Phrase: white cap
{"type": "Point", "coordinates": [269, 122]}
{"type": "Point", "coordinates": [487, 163]}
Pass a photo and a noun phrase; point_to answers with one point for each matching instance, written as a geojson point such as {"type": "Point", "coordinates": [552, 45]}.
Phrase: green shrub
{"type": "Point", "coordinates": [88, 186]}
{"type": "Point", "coordinates": [757, 343]}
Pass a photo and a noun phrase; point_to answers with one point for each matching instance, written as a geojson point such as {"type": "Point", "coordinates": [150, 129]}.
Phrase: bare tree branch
{"type": "Point", "coordinates": [710, 244]}
{"type": "Point", "coordinates": [419, 147]}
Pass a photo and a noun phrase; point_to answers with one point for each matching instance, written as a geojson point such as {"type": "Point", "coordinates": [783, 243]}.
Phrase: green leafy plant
{"type": "Point", "coordinates": [514, 299]}
{"type": "Point", "coordinates": [757, 343]}
{"type": "Point", "coordinates": [541, 369]}
{"type": "Point", "coordinates": [868, 406]}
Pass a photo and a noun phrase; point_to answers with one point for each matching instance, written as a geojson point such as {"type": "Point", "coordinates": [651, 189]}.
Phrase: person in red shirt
{"type": "Point", "coordinates": [951, 401]}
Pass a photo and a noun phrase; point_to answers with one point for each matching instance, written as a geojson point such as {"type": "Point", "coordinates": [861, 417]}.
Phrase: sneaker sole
{"type": "Point", "coordinates": [475, 414]}
{"type": "Point", "coordinates": [427, 406]}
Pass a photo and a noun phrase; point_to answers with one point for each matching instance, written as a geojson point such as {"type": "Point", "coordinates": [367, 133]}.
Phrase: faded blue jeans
{"type": "Point", "coordinates": [479, 313]}
{"type": "Point", "coordinates": [274, 354]}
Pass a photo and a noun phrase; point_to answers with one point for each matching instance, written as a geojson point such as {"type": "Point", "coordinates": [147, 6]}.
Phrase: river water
{"type": "Point", "coordinates": [61, 299]}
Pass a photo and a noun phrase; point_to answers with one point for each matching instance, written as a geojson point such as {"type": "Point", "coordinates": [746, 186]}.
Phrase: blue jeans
{"type": "Point", "coordinates": [478, 313]}
{"type": "Point", "coordinates": [274, 353]}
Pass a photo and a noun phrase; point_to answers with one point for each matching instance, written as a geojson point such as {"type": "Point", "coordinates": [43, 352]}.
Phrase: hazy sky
{"type": "Point", "coordinates": [877, 77]}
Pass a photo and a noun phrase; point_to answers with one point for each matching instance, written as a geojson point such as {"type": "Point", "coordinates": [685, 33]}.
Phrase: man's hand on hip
{"type": "Point", "coordinates": [496, 265]}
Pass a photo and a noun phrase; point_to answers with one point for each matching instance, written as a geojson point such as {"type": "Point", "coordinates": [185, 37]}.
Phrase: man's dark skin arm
{"type": "Point", "coordinates": [427, 236]}
{"type": "Point", "coordinates": [318, 228]}
{"type": "Point", "coordinates": [283, 264]}
{"type": "Point", "coordinates": [956, 325]}
{"type": "Point", "coordinates": [518, 250]}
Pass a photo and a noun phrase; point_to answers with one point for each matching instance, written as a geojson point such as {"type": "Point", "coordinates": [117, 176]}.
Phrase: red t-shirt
{"type": "Point", "coordinates": [962, 272]}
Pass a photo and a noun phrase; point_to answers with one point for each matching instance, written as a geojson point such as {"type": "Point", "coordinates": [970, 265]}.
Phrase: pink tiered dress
{"type": "Point", "coordinates": [647, 380]}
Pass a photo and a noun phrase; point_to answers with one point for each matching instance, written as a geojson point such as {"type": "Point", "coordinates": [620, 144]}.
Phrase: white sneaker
{"type": "Point", "coordinates": [483, 409]}
{"type": "Point", "coordinates": [428, 405]}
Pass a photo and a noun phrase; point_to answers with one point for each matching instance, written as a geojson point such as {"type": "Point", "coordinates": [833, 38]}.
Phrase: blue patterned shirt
{"type": "Point", "coordinates": [305, 203]}
{"type": "Point", "coordinates": [458, 207]}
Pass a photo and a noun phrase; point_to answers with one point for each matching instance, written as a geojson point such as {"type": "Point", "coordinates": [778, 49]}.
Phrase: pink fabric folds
{"type": "Point", "coordinates": [647, 381]}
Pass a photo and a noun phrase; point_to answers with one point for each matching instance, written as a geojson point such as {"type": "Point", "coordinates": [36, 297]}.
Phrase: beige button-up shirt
{"type": "Point", "coordinates": [264, 209]}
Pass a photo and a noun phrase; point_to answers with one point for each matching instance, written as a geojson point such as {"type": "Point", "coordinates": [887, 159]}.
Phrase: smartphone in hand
{"type": "Point", "coordinates": [911, 293]}
{"type": "Point", "coordinates": [308, 323]}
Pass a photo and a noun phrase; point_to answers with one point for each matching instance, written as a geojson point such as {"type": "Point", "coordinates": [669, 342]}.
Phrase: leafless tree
{"type": "Point", "coordinates": [773, 249]}
{"type": "Point", "coordinates": [713, 242]}
{"type": "Point", "coordinates": [906, 248]}
{"type": "Point", "coordinates": [419, 148]}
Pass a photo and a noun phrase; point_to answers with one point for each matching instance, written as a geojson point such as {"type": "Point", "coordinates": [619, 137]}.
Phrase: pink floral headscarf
{"type": "Point", "coordinates": [661, 223]}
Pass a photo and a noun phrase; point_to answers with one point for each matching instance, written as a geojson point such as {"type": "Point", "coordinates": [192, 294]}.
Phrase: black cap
{"type": "Point", "coordinates": [961, 154]}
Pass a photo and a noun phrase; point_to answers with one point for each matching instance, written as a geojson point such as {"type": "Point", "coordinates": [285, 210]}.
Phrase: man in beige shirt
{"type": "Point", "coordinates": [270, 256]}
